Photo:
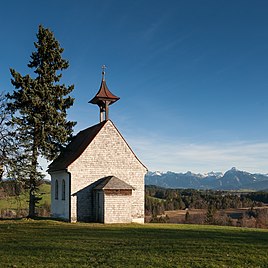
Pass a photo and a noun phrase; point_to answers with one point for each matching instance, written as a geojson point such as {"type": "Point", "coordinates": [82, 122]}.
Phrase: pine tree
{"type": "Point", "coordinates": [39, 107]}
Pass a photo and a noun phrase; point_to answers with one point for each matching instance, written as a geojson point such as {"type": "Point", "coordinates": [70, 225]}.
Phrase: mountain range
{"type": "Point", "coordinates": [232, 179]}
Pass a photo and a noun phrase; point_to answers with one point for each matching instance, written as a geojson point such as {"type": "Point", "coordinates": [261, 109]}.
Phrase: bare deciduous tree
{"type": "Point", "coordinates": [5, 139]}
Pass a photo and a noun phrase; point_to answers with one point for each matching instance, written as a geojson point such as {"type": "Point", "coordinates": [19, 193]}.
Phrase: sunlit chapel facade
{"type": "Point", "coordinates": [98, 178]}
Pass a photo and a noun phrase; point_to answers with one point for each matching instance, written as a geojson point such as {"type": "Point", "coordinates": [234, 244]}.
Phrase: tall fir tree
{"type": "Point", "coordinates": [39, 108]}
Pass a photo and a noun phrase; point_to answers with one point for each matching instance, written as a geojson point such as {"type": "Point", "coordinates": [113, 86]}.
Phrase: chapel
{"type": "Point", "coordinates": [97, 177]}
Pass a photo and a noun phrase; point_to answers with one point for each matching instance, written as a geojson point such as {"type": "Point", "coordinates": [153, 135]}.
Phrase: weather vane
{"type": "Point", "coordinates": [103, 67]}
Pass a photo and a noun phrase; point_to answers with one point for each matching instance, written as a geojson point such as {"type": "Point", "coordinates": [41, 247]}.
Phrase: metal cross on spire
{"type": "Point", "coordinates": [103, 67]}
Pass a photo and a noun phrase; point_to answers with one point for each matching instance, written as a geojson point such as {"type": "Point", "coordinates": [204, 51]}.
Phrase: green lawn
{"type": "Point", "coordinates": [28, 243]}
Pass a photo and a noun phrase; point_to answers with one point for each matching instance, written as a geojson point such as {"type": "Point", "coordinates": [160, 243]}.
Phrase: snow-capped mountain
{"type": "Point", "coordinates": [155, 173]}
{"type": "Point", "coordinates": [213, 174]}
{"type": "Point", "coordinates": [232, 179]}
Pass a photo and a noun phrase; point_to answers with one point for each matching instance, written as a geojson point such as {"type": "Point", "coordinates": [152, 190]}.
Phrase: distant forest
{"type": "Point", "coordinates": [158, 200]}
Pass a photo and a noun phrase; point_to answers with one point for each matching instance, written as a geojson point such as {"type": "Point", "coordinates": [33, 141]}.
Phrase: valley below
{"type": "Point", "coordinates": [256, 217]}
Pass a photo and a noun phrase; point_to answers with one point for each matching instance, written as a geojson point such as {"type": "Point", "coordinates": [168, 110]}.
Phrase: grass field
{"type": "Point", "coordinates": [28, 243]}
{"type": "Point", "coordinates": [20, 202]}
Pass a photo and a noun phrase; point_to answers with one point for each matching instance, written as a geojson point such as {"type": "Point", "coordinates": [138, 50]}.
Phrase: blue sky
{"type": "Point", "coordinates": [192, 75]}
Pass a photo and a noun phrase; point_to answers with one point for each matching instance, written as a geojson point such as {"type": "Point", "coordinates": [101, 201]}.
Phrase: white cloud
{"type": "Point", "coordinates": [171, 155]}
{"type": "Point", "coordinates": [182, 156]}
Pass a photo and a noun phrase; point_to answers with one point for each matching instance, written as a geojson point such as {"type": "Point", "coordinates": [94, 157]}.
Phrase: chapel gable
{"type": "Point", "coordinates": [100, 177]}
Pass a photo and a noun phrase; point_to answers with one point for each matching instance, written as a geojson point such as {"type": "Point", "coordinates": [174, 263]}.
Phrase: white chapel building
{"type": "Point", "coordinates": [98, 178]}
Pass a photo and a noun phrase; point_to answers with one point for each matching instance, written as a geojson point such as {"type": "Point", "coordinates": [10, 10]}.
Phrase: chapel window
{"type": "Point", "coordinates": [63, 190]}
{"type": "Point", "coordinates": [56, 189]}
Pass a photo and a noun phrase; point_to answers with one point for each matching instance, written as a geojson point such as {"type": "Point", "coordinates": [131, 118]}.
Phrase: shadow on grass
{"type": "Point", "coordinates": [11, 219]}
{"type": "Point", "coordinates": [37, 218]}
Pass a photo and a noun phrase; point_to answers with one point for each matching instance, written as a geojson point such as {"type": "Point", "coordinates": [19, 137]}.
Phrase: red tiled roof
{"type": "Point", "coordinates": [104, 94]}
{"type": "Point", "coordinates": [75, 148]}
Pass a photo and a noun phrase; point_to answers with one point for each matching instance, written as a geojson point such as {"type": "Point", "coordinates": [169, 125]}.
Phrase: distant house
{"type": "Point", "coordinates": [98, 178]}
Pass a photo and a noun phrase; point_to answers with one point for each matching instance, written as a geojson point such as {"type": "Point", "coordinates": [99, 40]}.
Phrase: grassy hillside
{"type": "Point", "coordinates": [12, 202]}
{"type": "Point", "coordinates": [50, 243]}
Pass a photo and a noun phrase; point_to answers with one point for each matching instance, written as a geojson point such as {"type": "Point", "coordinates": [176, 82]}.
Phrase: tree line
{"type": "Point", "coordinates": [158, 200]}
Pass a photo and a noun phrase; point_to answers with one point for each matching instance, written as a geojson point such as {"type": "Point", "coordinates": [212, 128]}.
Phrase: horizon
{"type": "Point", "coordinates": [206, 173]}
{"type": "Point", "coordinates": [44, 165]}
{"type": "Point", "coordinates": [191, 76]}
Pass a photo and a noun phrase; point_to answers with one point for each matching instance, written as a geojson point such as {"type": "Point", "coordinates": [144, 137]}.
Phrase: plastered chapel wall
{"type": "Point", "coordinates": [59, 207]}
{"type": "Point", "coordinates": [108, 154]}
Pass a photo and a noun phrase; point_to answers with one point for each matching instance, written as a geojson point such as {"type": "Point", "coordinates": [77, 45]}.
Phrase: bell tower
{"type": "Point", "coordinates": [104, 98]}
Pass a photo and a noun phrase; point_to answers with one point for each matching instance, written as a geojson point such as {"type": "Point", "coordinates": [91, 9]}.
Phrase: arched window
{"type": "Point", "coordinates": [63, 190]}
{"type": "Point", "coordinates": [56, 189]}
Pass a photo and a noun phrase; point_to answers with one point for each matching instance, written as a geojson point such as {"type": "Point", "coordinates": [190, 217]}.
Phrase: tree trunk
{"type": "Point", "coordinates": [1, 172]}
{"type": "Point", "coordinates": [33, 182]}
{"type": "Point", "coordinates": [32, 213]}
